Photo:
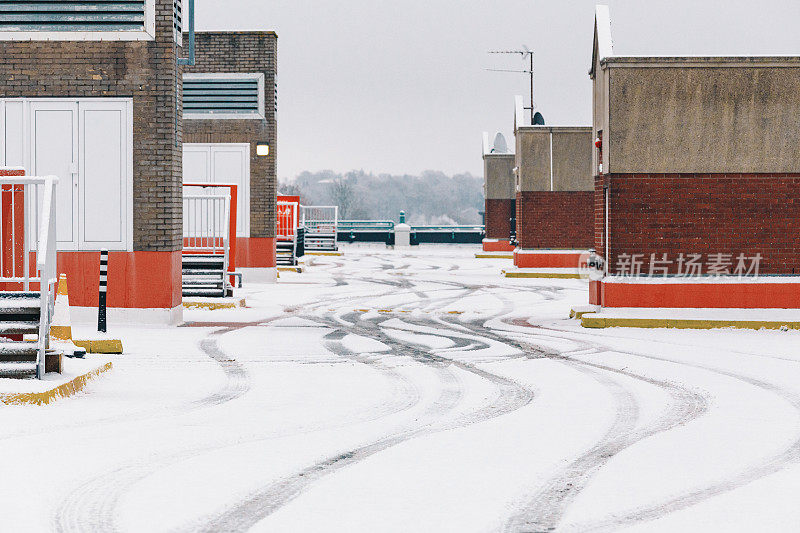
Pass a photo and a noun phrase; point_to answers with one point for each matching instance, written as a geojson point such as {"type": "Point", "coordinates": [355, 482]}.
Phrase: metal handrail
{"type": "Point", "coordinates": [469, 228]}
{"type": "Point", "coordinates": [365, 225]}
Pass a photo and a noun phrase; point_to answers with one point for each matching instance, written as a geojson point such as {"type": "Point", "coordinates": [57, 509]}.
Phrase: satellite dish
{"type": "Point", "coordinates": [538, 119]}
{"type": "Point", "coordinates": [500, 145]}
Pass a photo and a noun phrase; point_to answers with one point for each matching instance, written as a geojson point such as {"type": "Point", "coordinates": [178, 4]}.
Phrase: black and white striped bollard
{"type": "Point", "coordinates": [101, 309]}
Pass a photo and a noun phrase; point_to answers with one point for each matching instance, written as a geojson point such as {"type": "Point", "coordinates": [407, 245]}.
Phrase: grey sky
{"type": "Point", "coordinates": [391, 86]}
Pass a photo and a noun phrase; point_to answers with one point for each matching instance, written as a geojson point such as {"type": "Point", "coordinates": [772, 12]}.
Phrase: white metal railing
{"type": "Point", "coordinates": [26, 202]}
{"type": "Point", "coordinates": [321, 223]}
{"type": "Point", "coordinates": [206, 225]}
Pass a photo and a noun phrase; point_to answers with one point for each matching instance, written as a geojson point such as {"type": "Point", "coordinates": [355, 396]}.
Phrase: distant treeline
{"type": "Point", "coordinates": [431, 198]}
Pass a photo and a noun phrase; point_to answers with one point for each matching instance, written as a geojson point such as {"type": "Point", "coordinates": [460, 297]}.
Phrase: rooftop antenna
{"type": "Point", "coordinates": [526, 53]}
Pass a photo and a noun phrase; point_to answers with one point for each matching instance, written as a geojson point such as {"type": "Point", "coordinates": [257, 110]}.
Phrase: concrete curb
{"type": "Point", "coordinates": [64, 390]}
{"type": "Point", "coordinates": [596, 322]}
{"type": "Point", "coordinates": [104, 346]}
{"type": "Point", "coordinates": [213, 306]}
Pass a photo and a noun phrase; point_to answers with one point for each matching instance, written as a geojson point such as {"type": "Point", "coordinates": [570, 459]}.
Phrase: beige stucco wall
{"type": "Point", "coordinates": [571, 154]}
{"type": "Point", "coordinates": [498, 174]}
{"type": "Point", "coordinates": [701, 115]}
{"type": "Point", "coordinates": [572, 160]}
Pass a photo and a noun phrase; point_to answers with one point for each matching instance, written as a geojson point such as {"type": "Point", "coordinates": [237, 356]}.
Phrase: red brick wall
{"type": "Point", "coordinates": [703, 214]}
{"type": "Point", "coordinates": [145, 71]}
{"type": "Point", "coordinates": [244, 52]}
{"type": "Point", "coordinates": [498, 218]}
{"type": "Point", "coordinates": [554, 219]}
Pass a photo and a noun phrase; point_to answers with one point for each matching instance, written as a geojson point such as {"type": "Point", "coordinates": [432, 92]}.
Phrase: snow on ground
{"type": "Point", "coordinates": [414, 390]}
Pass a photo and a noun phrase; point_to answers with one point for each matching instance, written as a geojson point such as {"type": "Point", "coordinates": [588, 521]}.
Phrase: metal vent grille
{"type": "Point", "coordinates": [72, 15]}
{"type": "Point", "coordinates": [177, 20]}
{"type": "Point", "coordinates": [221, 96]}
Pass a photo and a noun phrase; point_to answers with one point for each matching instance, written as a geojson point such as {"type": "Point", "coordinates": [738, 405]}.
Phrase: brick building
{"type": "Point", "coordinates": [230, 104]}
{"type": "Point", "coordinates": [93, 95]}
{"type": "Point", "coordinates": [697, 179]}
{"type": "Point", "coordinates": [499, 190]}
{"type": "Point", "coordinates": [554, 194]}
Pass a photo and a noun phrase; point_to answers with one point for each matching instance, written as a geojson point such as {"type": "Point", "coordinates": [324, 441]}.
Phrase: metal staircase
{"type": "Point", "coordinates": [321, 225]}
{"type": "Point", "coordinates": [27, 302]}
{"type": "Point", "coordinates": [208, 231]}
{"type": "Point", "coordinates": [20, 314]}
{"type": "Point", "coordinates": [287, 253]}
{"type": "Point", "coordinates": [205, 275]}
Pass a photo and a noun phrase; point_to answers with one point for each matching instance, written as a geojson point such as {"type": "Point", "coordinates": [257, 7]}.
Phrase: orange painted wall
{"type": "Point", "coordinates": [255, 252]}
{"type": "Point", "coordinates": [498, 246]}
{"type": "Point", "coordinates": [547, 260]}
{"type": "Point", "coordinates": [595, 292]}
{"type": "Point", "coordinates": [144, 280]}
{"type": "Point", "coordinates": [702, 295]}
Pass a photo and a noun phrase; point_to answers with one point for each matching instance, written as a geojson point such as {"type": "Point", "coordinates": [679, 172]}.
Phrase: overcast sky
{"type": "Point", "coordinates": [400, 86]}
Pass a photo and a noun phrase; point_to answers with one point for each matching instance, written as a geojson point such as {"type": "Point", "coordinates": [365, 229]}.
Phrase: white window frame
{"type": "Point", "coordinates": [127, 246]}
{"type": "Point", "coordinates": [259, 76]}
{"type": "Point", "coordinates": [149, 33]}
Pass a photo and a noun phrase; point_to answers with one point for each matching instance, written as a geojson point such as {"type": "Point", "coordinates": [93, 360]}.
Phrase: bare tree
{"type": "Point", "coordinates": [343, 195]}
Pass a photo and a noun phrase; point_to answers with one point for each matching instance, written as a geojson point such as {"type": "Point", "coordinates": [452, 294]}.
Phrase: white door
{"type": "Point", "coordinates": [196, 163]}
{"type": "Point", "coordinates": [54, 151]}
{"type": "Point", "coordinates": [103, 177]}
{"type": "Point", "coordinates": [222, 163]}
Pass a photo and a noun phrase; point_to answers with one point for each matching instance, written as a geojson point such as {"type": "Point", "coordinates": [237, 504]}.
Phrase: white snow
{"type": "Point", "coordinates": [415, 390]}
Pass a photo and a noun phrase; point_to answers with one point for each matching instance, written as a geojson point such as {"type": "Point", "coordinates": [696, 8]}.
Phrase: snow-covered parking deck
{"type": "Point", "coordinates": [415, 391]}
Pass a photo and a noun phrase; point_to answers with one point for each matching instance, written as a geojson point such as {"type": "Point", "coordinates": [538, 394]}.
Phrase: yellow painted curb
{"type": "Point", "coordinates": [551, 275]}
{"type": "Point", "coordinates": [297, 269]}
{"type": "Point", "coordinates": [62, 391]}
{"type": "Point", "coordinates": [676, 323]}
{"type": "Point", "coordinates": [106, 346]}
{"type": "Point", "coordinates": [579, 314]}
{"type": "Point", "coordinates": [494, 256]}
{"type": "Point", "coordinates": [61, 333]}
{"type": "Point", "coordinates": [213, 306]}
{"type": "Point", "coordinates": [328, 254]}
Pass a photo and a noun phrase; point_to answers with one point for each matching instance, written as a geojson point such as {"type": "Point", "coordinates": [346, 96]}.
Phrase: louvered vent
{"type": "Point", "coordinates": [72, 15]}
{"type": "Point", "coordinates": [221, 95]}
{"type": "Point", "coordinates": [177, 20]}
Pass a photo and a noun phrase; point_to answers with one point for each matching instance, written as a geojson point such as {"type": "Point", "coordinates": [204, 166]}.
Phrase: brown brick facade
{"type": "Point", "coordinates": [243, 52]}
{"type": "Point", "coordinates": [498, 218]}
{"type": "Point", "coordinates": [702, 214]}
{"type": "Point", "coordinates": [145, 71]}
{"type": "Point", "coordinates": [555, 219]}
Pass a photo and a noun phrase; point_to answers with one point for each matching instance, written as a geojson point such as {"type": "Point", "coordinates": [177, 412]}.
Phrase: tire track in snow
{"type": "Point", "coordinates": [511, 396]}
{"type": "Point", "coordinates": [237, 382]}
{"type": "Point", "coordinates": [93, 505]}
{"type": "Point", "coordinates": [544, 510]}
{"type": "Point", "coordinates": [406, 395]}
{"type": "Point", "coordinates": [790, 455]}
{"type": "Point", "coordinates": [773, 464]}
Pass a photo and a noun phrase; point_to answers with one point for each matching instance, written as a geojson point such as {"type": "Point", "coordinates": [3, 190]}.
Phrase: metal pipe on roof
{"type": "Point", "coordinates": [189, 60]}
